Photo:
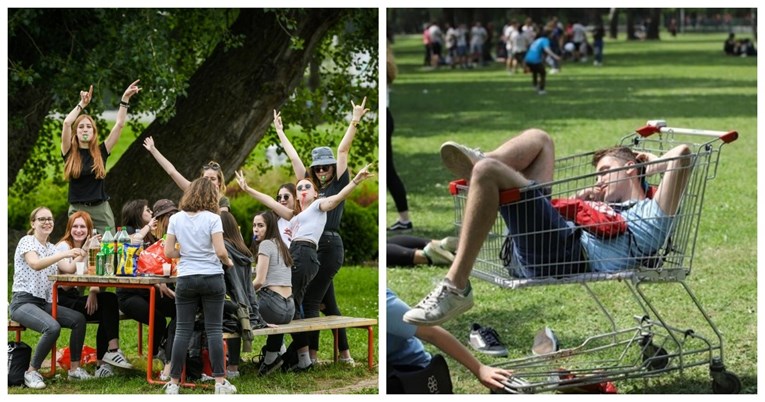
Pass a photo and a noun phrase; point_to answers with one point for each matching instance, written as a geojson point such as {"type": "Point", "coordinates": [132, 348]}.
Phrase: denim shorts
{"type": "Point", "coordinates": [543, 242]}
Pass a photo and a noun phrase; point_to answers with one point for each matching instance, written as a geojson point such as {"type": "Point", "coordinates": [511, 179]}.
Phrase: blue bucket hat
{"type": "Point", "coordinates": [322, 156]}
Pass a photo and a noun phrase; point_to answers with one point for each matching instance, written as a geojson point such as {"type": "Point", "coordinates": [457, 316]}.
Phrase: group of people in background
{"type": "Point", "coordinates": [460, 46]}
{"type": "Point", "coordinates": [739, 47]}
{"type": "Point", "coordinates": [296, 252]}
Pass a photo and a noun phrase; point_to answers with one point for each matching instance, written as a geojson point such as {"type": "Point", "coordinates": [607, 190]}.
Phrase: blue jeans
{"type": "Point", "coordinates": [190, 291]}
{"type": "Point", "coordinates": [275, 309]}
{"type": "Point", "coordinates": [35, 314]}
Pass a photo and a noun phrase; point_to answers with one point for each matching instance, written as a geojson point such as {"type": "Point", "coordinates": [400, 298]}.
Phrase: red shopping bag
{"type": "Point", "coordinates": [151, 259]}
{"type": "Point", "coordinates": [88, 356]}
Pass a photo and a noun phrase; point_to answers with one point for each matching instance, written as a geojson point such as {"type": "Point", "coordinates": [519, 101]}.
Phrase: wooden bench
{"type": "Point", "coordinates": [13, 326]}
{"type": "Point", "coordinates": [332, 322]}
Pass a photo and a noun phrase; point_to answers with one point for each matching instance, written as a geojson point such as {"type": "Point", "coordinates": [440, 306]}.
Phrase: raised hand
{"type": "Point", "coordinates": [278, 120]}
{"type": "Point", "coordinates": [363, 174]}
{"type": "Point", "coordinates": [131, 90]}
{"type": "Point", "coordinates": [358, 110]}
{"type": "Point", "coordinates": [241, 181]}
{"type": "Point", "coordinates": [86, 96]}
{"type": "Point", "coordinates": [148, 143]}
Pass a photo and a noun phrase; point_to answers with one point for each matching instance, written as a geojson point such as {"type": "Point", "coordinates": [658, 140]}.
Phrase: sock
{"type": "Point", "coordinates": [271, 357]}
{"type": "Point", "coordinates": [114, 350]}
{"type": "Point", "coordinates": [304, 359]}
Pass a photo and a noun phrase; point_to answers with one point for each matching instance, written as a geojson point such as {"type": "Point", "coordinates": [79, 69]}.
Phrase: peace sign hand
{"type": "Point", "coordinates": [363, 174]}
{"type": "Point", "coordinates": [358, 110]}
{"type": "Point", "coordinates": [241, 181]}
{"type": "Point", "coordinates": [278, 120]}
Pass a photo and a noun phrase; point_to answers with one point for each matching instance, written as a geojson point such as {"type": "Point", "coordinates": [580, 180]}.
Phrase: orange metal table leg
{"type": "Point", "coordinates": [370, 346]}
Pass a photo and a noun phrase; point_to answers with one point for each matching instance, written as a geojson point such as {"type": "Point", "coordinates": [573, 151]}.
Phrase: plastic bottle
{"type": "Point", "coordinates": [94, 247]}
{"type": "Point", "coordinates": [107, 247]}
{"type": "Point", "coordinates": [123, 239]}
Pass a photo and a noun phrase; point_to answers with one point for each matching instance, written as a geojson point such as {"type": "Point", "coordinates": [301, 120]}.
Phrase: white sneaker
{"type": "Point", "coordinates": [104, 370]}
{"type": "Point", "coordinates": [449, 244]}
{"type": "Point", "coordinates": [443, 303]}
{"type": "Point", "coordinates": [117, 359]}
{"type": "Point", "coordinates": [79, 374]}
{"type": "Point", "coordinates": [554, 71]}
{"type": "Point", "coordinates": [206, 378]}
{"type": "Point", "coordinates": [232, 374]}
{"type": "Point", "coordinates": [171, 389]}
{"type": "Point", "coordinates": [33, 379]}
{"type": "Point", "coordinates": [348, 361]}
{"type": "Point", "coordinates": [459, 158]}
{"type": "Point", "coordinates": [225, 388]}
{"type": "Point", "coordinates": [436, 254]}
{"type": "Point", "coordinates": [542, 92]}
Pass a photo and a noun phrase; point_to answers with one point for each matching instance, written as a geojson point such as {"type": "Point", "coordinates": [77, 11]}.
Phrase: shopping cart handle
{"type": "Point", "coordinates": [650, 129]}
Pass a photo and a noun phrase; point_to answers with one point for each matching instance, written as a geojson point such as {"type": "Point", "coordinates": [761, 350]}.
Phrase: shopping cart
{"type": "Point", "coordinates": [647, 346]}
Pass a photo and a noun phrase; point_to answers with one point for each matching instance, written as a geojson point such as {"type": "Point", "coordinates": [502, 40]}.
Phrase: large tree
{"type": "Point", "coordinates": [212, 77]}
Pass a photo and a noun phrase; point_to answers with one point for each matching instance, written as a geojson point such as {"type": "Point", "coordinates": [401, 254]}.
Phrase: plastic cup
{"type": "Point", "coordinates": [80, 267]}
{"type": "Point", "coordinates": [166, 269]}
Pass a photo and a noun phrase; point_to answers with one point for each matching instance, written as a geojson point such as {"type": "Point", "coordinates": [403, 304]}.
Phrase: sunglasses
{"type": "Point", "coordinates": [322, 168]}
{"type": "Point", "coordinates": [302, 187]}
{"type": "Point", "coordinates": [211, 165]}
{"type": "Point", "coordinates": [284, 197]}
{"type": "Point", "coordinates": [44, 219]}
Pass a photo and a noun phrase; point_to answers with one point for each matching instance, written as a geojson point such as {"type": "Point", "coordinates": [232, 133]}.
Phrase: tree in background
{"type": "Point", "coordinates": [212, 77]}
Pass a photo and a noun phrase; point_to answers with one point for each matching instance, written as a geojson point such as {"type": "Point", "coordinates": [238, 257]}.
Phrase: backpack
{"type": "Point", "coordinates": [433, 379]}
{"type": "Point", "coordinates": [19, 356]}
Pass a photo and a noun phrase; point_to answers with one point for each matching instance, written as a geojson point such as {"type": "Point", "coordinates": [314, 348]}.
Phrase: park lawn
{"type": "Point", "coordinates": [356, 291]}
{"type": "Point", "coordinates": [686, 81]}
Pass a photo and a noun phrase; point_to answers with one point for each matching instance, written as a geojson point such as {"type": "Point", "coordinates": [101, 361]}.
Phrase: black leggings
{"type": "Point", "coordinates": [136, 306]}
{"type": "Point", "coordinates": [107, 315]}
{"type": "Point", "coordinates": [395, 185]}
{"type": "Point", "coordinates": [401, 249]}
{"type": "Point", "coordinates": [321, 289]}
{"type": "Point", "coordinates": [539, 74]}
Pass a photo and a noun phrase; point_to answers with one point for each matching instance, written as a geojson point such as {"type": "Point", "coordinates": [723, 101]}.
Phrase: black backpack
{"type": "Point", "coordinates": [19, 355]}
{"type": "Point", "coordinates": [433, 379]}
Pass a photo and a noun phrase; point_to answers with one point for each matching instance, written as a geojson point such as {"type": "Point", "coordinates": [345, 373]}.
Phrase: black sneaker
{"type": "Point", "coordinates": [486, 340]}
{"type": "Point", "coordinates": [400, 227]}
{"type": "Point", "coordinates": [266, 369]}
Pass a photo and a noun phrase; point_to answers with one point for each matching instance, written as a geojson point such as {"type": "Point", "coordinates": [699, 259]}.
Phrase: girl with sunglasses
{"type": "Point", "coordinates": [85, 158]}
{"type": "Point", "coordinates": [306, 229]}
{"type": "Point", "coordinates": [331, 175]}
{"type": "Point", "coordinates": [32, 296]}
{"type": "Point", "coordinates": [285, 195]}
{"type": "Point", "coordinates": [211, 170]}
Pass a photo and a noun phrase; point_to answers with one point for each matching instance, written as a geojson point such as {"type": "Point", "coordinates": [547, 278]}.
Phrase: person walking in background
{"type": "Point", "coordinates": [477, 38]}
{"type": "Point", "coordinates": [85, 159]}
{"type": "Point", "coordinates": [535, 60]}
{"type": "Point", "coordinates": [395, 184]}
{"type": "Point", "coordinates": [597, 43]}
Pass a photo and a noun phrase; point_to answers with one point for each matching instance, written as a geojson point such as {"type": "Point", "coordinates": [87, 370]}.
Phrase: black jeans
{"type": "Point", "coordinates": [321, 290]}
{"type": "Point", "coordinates": [306, 265]}
{"type": "Point", "coordinates": [107, 314]}
{"type": "Point", "coordinates": [135, 304]}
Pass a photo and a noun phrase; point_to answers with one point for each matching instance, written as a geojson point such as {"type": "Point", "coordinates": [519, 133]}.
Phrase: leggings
{"type": "Point", "coordinates": [539, 75]}
{"type": "Point", "coordinates": [107, 315]}
{"type": "Point", "coordinates": [136, 306]}
{"type": "Point", "coordinates": [395, 185]}
{"type": "Point", "coordinates": [321, 289]}
{"type": "Point", "coordinates": [401, 249]}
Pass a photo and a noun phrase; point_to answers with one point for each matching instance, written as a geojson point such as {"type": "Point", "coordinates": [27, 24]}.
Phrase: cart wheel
{"type": "Point", "coordinates": [655, 357]}
{"type": "Point", "coordinates": [726, 383]}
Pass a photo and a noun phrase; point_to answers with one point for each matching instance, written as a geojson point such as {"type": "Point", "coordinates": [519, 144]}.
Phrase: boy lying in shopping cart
{"type": "Point", "coordinates": [629, 225]}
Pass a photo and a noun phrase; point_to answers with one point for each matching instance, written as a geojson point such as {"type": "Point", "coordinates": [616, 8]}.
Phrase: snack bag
{"type": "Point", "coordinates": [129, 261]}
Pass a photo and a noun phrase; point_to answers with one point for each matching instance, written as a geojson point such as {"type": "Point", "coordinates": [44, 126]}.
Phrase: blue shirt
{"type": "Point", "coordinates": [536, 51]}
{"type": "Point", "coordinates": [404, 349]}
{"type": "Point", "coordinates": [648, 229]}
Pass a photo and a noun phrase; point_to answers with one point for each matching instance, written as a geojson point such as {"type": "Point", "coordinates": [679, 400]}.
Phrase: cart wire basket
{"type": "Point", "coordinates": [647, 345]}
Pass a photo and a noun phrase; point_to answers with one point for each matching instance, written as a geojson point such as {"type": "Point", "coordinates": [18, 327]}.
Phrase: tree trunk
{"type": "Point", "coordinates": [229, 105]}
{"type": "Point", "coordinates": [631, 25]}
{"type": "Point", "coordinates": [653, 25]}
{"type": "Point", "coordinates": [29, 109]}
{"type": "Point", "coordinates": [613, 23]}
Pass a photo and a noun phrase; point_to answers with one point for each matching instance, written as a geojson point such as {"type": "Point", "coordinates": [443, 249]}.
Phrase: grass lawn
{"type": "Point", "coordinates": [686, 81]}
{"type": "Point", "coordinates": [356, 291]}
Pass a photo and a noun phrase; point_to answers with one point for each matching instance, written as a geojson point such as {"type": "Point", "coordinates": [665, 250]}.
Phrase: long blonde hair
{"type": "Point", "coordinates": [73, 165]}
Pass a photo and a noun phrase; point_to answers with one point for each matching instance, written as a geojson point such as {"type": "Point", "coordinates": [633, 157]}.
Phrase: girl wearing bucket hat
{"type": "Point", "coordinates": [331, 176]}
{"type": "Point", "coordinates": [307, 229]}
{"type": "Point", "coordinates": [211, 170]}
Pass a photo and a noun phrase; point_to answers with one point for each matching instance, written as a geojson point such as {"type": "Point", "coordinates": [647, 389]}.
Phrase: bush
{"type": "Point", "coordinates": [359, 230]}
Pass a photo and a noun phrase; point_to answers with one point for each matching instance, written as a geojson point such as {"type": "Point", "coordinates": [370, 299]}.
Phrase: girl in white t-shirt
{"type": "Point", "coordinates": [306, 228]}
{"type": "Point", "coordinates": [32, 300]}
{"type": "Point", "coordinates": [198, 229]}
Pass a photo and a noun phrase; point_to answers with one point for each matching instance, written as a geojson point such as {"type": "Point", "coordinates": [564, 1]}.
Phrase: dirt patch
{"type": "Point", "coordinates": [364, 383]}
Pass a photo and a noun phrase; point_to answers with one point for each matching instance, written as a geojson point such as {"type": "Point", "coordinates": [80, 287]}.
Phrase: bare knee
{"type": "Point", "coordinates": [492, 172]}
{"type": "Point", "coordinates": [539, 136]}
